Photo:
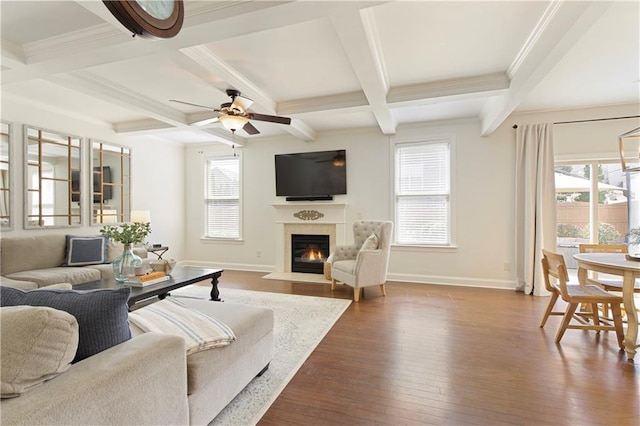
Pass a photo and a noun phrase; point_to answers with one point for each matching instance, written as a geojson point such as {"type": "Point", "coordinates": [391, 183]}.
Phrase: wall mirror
{"type": "Point", "coordinates": [52, 180]}
{"type": "Point", "coordinates": [110, 183]}
{"type": "Point", "coordinates": [5, 177]}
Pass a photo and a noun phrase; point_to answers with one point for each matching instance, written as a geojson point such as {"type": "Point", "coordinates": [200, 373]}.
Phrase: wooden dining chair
{"type": "Point", "coordinates": [580, 316]}
{"type": "Point", "coordinates": [554, 267]}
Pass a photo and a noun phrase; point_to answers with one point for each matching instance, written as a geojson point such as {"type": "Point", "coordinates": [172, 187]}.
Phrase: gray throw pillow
{"type": "Point", "coordinates": [102, 315]}
{"type": "Point", "coordinates": [83, 250]}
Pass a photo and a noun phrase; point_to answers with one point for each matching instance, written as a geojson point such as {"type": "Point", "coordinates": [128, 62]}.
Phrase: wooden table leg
{"type": "Point", "coordinates": [215, 293]}
{"type": "Point", "coordinates": [582, 276]}
{"type": "Point", "coordinates": [631, 337]}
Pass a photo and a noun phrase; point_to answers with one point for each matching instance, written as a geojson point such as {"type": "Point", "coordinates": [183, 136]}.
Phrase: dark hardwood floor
{"type": "Point", "coordinates": [446, 355]}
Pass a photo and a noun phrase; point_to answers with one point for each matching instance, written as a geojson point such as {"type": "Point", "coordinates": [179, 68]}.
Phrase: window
{"type": "Point", "coordinates": [222, 202]}
{"type": "Point", "coordinates": [583, 218]}
{"type": "Point", "coordinates": [422, 193]}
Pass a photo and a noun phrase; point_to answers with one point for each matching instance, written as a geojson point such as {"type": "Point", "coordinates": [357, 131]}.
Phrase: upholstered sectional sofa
{"type": "Point", "coordinates": [145, 379]}
{"type": "Point", "coordinates": [38, 261]}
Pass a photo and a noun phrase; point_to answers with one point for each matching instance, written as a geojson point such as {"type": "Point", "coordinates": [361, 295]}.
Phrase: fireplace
{"type": "Point", "coordinates": [309, 252]}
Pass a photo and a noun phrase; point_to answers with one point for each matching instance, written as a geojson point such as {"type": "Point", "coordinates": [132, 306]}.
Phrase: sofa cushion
{"type": "Point", "coordinates": [19, 253]}
{"type": "Point", "coordinates": [101, 314]}
{"type": "Point", "coordinates": [23, 285]}
{"type": "Point", "coordinates": [67, 274]}
{"type": "Point", "coordinates": [348, 266]}
{"type": "Point", "coordinates": [38, 343]}
{"type": "Point", "coordinates": [83, 250]}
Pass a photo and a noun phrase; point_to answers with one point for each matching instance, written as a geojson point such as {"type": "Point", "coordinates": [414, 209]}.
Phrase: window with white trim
{"type": "Point", "coordinates": [222, 198]}
{"type": "Point", "coordinates": [422, 193]}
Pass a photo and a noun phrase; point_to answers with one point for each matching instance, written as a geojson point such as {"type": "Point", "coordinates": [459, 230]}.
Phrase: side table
{"type": "Point", "coordinates": [158, 251]}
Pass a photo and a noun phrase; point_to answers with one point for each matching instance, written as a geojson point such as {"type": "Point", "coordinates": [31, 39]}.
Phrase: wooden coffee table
{"type": "Point", "coordinates": [181, 276]}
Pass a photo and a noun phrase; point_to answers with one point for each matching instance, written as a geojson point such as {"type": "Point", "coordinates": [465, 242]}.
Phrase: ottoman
{"type": "Point", "coordinates": [216, 376]}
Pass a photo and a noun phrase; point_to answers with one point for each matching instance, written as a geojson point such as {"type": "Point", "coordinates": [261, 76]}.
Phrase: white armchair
{"type": "Point", "coordinates": [363, 263]}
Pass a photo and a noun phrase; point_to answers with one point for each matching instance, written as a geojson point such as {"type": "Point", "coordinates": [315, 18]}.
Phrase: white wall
{"type": "Point", "coordinates": [483, 186]}
{"type": "Point", "coordinates": [157, 178]}
{"type": "Point", "coordinates": [483, 191]}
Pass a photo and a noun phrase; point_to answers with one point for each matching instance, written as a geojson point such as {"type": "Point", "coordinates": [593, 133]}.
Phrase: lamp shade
{"type": "Point", "coordinates": [140, 216]}
{"type": "Point", "coordinates": [233, 122]}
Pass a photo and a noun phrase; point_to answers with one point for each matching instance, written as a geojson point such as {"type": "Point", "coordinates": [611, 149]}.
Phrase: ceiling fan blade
{"type": "Point", "coordinates": [241, 103]}
{"type": "Point", "coordinates": [205, 121]}
{"type": "Point", "coordinates": [189, 103]}
{"type": "Point", "coordinates": [269, 118]}
{"type": "Point", "coordinates": [250, 129]}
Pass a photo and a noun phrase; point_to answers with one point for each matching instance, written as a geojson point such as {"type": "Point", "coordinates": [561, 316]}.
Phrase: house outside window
{"type": "Point", "coordinates": [223, 209]}
{"type": "Point", "coordinates": [423, 193]}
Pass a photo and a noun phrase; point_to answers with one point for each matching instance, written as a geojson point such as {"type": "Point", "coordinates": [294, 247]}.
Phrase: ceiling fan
{"type": "Point", "coordinates": [234, 115]}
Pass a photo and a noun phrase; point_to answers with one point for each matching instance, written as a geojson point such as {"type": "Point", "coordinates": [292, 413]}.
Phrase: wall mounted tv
{"type": "Point", "coordinates": [311, 175]}
{"type": "Point", "coordinates": [106, 177]}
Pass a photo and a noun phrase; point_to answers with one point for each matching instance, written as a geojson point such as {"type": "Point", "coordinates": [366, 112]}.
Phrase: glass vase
{"type": "Point", "coordinates": [124, 266]}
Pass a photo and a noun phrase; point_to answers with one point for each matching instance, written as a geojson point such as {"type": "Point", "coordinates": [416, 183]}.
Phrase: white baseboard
{"type": "Point", "coordinates": [230, 266]}
{"type": "Point", "coordinates": [410, 278]}
{"type": "Point", "coordinates": [455, 281]}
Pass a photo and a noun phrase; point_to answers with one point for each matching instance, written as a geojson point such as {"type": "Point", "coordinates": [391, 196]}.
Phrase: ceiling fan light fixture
{"type": "Point", "coordinates": [233, 122]}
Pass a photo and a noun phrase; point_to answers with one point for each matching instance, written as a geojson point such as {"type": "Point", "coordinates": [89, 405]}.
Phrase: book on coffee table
{"type": "Point", "coordinates": [148, 279]}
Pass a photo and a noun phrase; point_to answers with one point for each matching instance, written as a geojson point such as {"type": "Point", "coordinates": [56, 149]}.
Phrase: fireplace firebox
{"type": "Point", "coordinates": [309, 252]}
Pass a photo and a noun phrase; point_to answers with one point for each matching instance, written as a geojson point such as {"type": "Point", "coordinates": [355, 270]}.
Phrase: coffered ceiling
{"type": "Point", "coordinates": [326, 64]}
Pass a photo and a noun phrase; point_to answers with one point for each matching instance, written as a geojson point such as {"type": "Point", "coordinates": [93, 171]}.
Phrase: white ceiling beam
{"type": "Point", "coordinates": [453, 89]}
{"type": "Point", "coordinates": [357, 33]}
{"type": "Point", "coordinates": [324, 103]}
{"type": "Point", "coordinates": [146, 125]}
{"type": "Point", "coordinates": [112, 92]}
{"type": "Point", "coordinates": [414, 94]}
{"type": "Point", "coordinates": [153, 127]}
{"type": "Point", "coordinates": [560, 27]}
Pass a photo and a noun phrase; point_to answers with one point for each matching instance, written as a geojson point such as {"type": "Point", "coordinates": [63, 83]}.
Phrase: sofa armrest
{"type": "Point", "coordinates": [140, 381]}
{"type": "Point", "coordinates": [371, 267]}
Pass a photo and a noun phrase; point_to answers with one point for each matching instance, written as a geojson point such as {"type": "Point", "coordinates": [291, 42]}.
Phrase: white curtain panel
{"type": "Point", "coordinates": [535, 204]}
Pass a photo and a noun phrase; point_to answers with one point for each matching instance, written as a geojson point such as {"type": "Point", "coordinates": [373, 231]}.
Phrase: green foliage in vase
{"type": "Point", "coordinates": [127, 233]}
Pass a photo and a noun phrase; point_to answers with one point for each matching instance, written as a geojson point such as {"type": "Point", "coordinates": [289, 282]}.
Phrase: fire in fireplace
{"type": "Point", "coordinates": [309, 252]}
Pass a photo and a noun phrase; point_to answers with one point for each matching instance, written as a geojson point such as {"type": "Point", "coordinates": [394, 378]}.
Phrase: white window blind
{"type": "Point", "coordinates": [222, 201]}
{"type": "Point", "coordinates": [422, 193]}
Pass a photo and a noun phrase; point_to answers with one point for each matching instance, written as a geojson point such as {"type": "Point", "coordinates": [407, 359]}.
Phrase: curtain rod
{"type": "Point", "coordinates": [515, 126]}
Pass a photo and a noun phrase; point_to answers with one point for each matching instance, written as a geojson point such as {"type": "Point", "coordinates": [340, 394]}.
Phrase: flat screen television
{"type": "Point", "coordinates": [106, 177]}
{"type": "Point", "coordinates": [311, 175]}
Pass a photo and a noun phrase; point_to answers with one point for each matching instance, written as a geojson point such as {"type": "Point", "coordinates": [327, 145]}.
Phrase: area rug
{"type": "Point", "coordinates": [301, 322]}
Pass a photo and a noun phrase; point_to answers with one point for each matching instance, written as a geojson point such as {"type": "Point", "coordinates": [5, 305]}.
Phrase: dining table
{"type": "Point", "coordinates": [628, 268]}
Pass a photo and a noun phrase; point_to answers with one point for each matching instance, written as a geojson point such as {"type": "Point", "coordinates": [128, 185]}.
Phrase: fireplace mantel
{"type": "Point", "coordinates": [295, 213]}
{"type": "Point", "coordinates": [306, 218]}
